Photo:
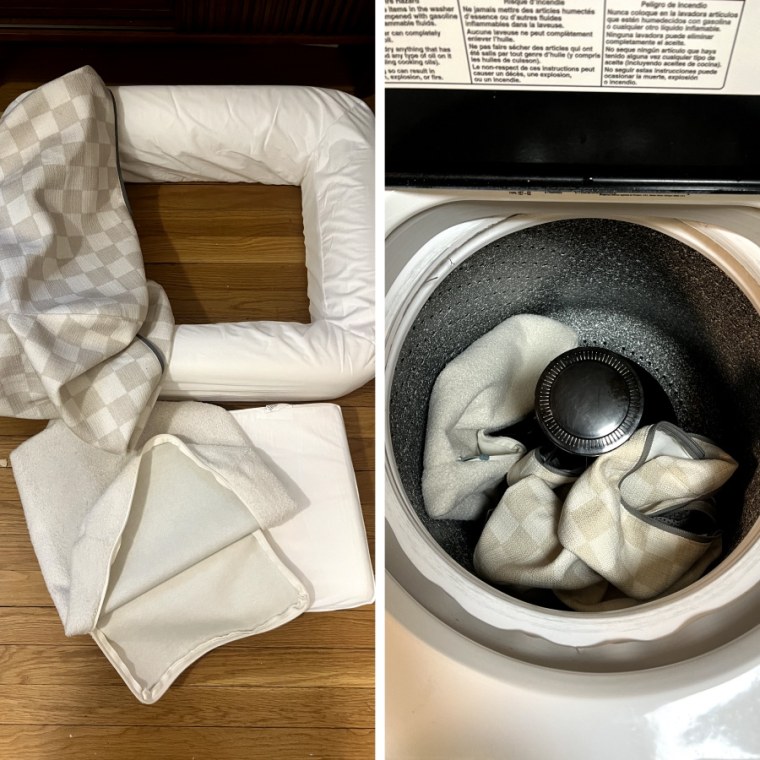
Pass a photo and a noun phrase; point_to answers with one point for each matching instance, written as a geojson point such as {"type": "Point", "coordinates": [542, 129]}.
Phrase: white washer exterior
{"type": "Point", "coordinates": [479, 679]}
{"type": "Point", "coordinates": [447, 697]}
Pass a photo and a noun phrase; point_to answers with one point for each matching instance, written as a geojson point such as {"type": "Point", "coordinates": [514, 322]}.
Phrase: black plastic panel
{"type": "Point", "coordinates": [617, 142]}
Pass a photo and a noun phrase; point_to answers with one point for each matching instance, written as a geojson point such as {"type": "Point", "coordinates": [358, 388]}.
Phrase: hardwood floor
{"type": "Point", "coordinates": [223, 253]}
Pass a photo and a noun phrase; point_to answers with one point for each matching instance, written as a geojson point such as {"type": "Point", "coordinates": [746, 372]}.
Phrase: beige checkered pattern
{"type": "Point", "coordinates": [606, 532]}
{"type": "Point", "coordinates": [519, 544]}
{"type": "Point", "coordinates": [73, 295]}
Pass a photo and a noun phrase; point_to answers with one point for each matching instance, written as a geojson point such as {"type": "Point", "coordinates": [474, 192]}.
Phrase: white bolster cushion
{"type": "Point", "coordinates": [319, 139]}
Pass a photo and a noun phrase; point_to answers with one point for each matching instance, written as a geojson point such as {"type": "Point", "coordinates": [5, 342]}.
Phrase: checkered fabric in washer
{"type": "Point", "coordinates": [620, 534]}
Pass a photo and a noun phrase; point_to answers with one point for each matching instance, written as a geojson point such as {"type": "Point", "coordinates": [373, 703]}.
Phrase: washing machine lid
{"type": "Point", "coordinates": [582, 141]}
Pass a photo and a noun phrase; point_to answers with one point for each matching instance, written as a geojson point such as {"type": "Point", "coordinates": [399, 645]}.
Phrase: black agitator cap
{"type": "Point", "coordinates": [589, 401]}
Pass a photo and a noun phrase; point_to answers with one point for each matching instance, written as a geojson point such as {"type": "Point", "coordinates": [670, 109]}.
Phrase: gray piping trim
{"type": "Point", "coordinates": [697, 452]}
{"type": "Point", "coordinates": [118, 162]}
{"type": "Point", "coordinates": [154, 348]}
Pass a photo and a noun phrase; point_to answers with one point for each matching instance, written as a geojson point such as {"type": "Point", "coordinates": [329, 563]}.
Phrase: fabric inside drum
{"type": "Point", "coordinates": [623, 286]}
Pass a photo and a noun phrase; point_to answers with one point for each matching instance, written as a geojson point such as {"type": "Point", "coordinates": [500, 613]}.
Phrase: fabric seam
{"type": "Point", "coordinates": [690, 445]}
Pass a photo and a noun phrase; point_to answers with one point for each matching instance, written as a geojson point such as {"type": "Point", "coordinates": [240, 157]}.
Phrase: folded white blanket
{"type": "Point", "coordinates": [83, 336]}
{"type": "Point", "coordinates": [636, 525]}
{"type": "Point", "coordinates": [159, 553]}
{"type": "Point", "coordinates": [489, 386]}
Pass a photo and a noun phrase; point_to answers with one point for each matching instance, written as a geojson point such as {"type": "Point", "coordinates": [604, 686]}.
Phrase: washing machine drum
{"type": "Point", "coordinates": [623, 286]}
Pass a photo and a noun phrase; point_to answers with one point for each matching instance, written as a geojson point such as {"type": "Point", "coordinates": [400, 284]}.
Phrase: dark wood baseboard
{"type": "Point", "coordinates": [348, 67]}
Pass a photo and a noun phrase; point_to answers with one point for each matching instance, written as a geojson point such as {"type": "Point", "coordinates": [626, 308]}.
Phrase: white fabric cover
{"type": "Point", "coordinates": [490, 385]}
{"type": "Point", "coordinates": [319, 139]}
{"type": "Point", "coordinates": [160, 553]}
{"type": "Point", "coordinates": [324, 543]}
{"type": "Point", "coordinates": [227, 525]}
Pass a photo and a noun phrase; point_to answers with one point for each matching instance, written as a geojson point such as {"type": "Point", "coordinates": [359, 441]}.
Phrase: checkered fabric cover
{"type": "Point", "coordinates": [487, 387]}
{"type": "Point", "coordinates": [623, 533]}
{"type": "Point", "coordinates": [83, 336]}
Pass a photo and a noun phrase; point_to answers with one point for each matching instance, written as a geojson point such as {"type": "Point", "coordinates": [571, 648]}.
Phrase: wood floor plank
{"type": "Point", "coordinates": [362, 453]}
{"type": "Point", "coordinates": [323, 707]}
{"type": "Point", "coordinates": [250, 277]}
{"type": "Point", "coordinates": [360, 422]}
{"type": "Point", "coordinates": [20, 427]}
{"type": "Point", "coordinates": [265, 249]}
{"type": "Point", "coordinates": [280, 668]}
{"type": "Point", "coordinates": [206, 293]}
{"type": "Point", "coordinates": [10, 442]}
{"type": "Point", "coordinates": [212, 200]}
{"type": "Point", "coordinates": [12, 522]}
{"type": "Point", "coordinates": [8, 490]}
{"type": "Point", "coordinates": [35, 625]}
{"type": "Point", "coordinates": [365, 480]}
{"type": "Point", "coordinates": [364, 396]}
{"type": "Point", "coordinates": [17, 552]}
{"type": "Point", "coordinates": [241, 306]}
{"type": "Point", "coordinates": [198, 208]}
{"type": "Point", "coordinates": [23, 588]}
{"type": "Point", "coordinates": [261, 667]}
{"type": "Point", "coordinates": [86, 742]}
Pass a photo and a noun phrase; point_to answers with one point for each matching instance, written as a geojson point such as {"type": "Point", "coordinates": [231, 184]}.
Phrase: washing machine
{"type": "Point", "coordinates": [621, 196]}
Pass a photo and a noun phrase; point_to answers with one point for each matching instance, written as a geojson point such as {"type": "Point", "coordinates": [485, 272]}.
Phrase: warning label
{"type": "Point", "coordinates": [576, 43]}
{"type": "Point", "coordinates": [424, 42]}
{"type": "Point", "coordinates": [518, 42]}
